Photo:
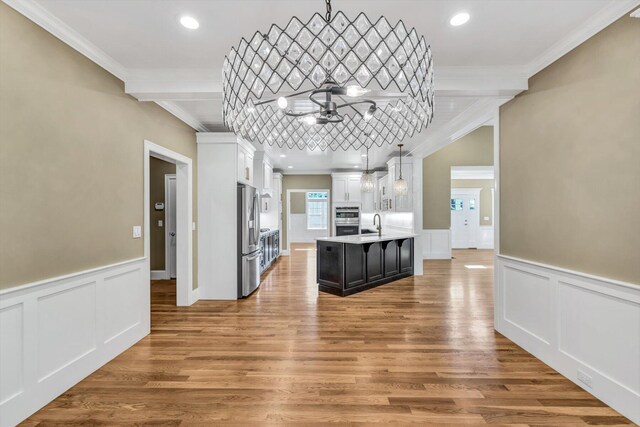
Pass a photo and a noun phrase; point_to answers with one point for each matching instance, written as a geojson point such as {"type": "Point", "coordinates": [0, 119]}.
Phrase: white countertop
{"type": "Point", "coordinates": [367, 238]}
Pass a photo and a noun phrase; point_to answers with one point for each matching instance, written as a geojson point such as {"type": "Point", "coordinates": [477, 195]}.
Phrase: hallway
{"type": "Point", "coordinates": [421, 350]}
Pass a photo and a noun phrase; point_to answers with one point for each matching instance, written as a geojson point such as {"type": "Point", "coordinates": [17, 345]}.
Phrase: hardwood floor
{"type": "Point", "coordinates": [420, 350]}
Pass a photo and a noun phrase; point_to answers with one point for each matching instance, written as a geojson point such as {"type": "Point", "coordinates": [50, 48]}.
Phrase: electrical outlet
{"type": "Point", "coordinates": [159, 223]}
{"type": "Point", "coordinates": [585, 378]}
{"type": "Point", "coordinates": [137, 231]}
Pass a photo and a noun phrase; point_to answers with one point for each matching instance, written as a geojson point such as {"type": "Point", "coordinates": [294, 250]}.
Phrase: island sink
{"type": "Point", "coordinates": [350, 264]}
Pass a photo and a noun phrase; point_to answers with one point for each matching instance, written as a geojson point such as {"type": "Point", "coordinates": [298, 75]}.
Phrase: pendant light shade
{"type": "Point", "coordinates": [400, 186]}
{"type": "Point", "coordinates": [367, 181]}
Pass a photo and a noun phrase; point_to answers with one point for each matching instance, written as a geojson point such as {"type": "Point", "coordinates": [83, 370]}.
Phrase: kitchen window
{"type": "Point", "coordinates": [317, 210]}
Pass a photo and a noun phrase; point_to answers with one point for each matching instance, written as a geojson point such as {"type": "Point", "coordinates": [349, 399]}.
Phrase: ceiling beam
{"type": "Point", "coordinates": [182, 85]}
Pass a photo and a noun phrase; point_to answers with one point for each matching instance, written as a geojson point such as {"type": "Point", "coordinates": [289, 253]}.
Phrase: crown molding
{"type": "Point", "coordinates": [216, 138]}
{"type": "Point", "coordinates": [45, 19]}
{"type": "Point", "coordinates": [183, 115]}
{"type": "Point", "coordinates": [635, 13]}
{"type": "Point", "coordinates": [605, 17]}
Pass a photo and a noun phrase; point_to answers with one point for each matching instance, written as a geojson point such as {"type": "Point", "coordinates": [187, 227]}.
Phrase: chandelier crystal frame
{"type": "Point", "coordinates": [324, 56]}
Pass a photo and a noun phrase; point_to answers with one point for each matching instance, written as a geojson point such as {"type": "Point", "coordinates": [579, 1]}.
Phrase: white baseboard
{"type": "Point", "coordinates": [56, 332]}
{"type": "Point", "coordinates": [159, 275]}
{"type": "Point", "coordinates": [576, 323]}
{"type": "Point", "coordinates": [436, 244]}
{"type": "Point", "coordinates": [195, 295]}
{"type": "Point", "coordinates": [485, 237]}
{"type": "Point", "coordinates": [284, 253]}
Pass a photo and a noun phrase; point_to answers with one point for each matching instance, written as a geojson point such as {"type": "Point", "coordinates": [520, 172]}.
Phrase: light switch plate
{"type": "Point", "coordinates": [137, 231]}
{"type": "Point", "coordinates": [193, 226]}
{"type": "Point", "coordinates": [486, 218]}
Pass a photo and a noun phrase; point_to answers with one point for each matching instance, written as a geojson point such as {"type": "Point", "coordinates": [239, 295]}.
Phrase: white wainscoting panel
{"type": "Point", "coordinates": [485, 237]}
{"type": "Point", "coordinates": [56, 332]}
{"type": "Point", "coordinates": [437, 244]}
{"type": "Point", "coordinates": [585, 327]}
{"type": "Point", "coordinates": [11, 351]}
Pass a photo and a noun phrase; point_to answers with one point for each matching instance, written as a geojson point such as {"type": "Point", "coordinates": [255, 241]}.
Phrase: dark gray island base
{"type": "Point", "coordinates": [350, 264]}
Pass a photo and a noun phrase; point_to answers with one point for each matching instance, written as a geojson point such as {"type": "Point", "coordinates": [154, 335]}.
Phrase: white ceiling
{"type": "Point", "coordinates": [147, 34]}
{"type": "Point", "coordinates": [142, 42]}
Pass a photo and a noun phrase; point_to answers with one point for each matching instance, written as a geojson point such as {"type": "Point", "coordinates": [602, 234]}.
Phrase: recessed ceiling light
{"type": "Point", "coordinates": [290, 167]}
{"type": "Point", "coordinates": [189, 22]}
{"type": "Point", "coordinates": [357, 166]}
{"type": "Point", "coordinates": [283, 155]}
{"type": "Point", "coordinates": [363, 155]}
{"type": "Point", "coordinates": [459, 19]}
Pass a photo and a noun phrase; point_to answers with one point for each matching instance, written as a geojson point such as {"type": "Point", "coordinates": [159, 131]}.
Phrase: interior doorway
{"type": "Point", "coordinates": [308, 215]}
{"type": "Point", "coordinates": [184, 225]}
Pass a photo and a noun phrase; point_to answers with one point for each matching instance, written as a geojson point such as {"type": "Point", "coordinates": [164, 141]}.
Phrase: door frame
{"type": "Point", "coordinates": [476, 228]}
{"type": "Point", "coordinates": [167, 216]}
{"type": "Point", "coordinates": [185, 295]}
{"type": "Point", "coordinates": [287, 251]}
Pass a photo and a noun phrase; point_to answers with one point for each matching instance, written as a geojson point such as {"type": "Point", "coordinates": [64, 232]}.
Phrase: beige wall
{"type": "Point", "coordinates": [570, 160]}
{"type": "Point", "coordinates": [486, 201]}
{"type": "Point", "coordinates": [298, 203]}
{"type": "Point", "coordinates": [158, 169]}
{"type": "Point", "coordinates": [71, 157]}
{"type": "Point", "coordinates": [302, 182]}
{"type": "Point", "coordinates": [474, 149]}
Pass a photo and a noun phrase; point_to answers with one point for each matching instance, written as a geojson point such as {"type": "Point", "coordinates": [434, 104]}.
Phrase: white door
{"type": "Point", "coordinates": [465, 218]}
{"type": "Point", "coordinates": [170, 221]}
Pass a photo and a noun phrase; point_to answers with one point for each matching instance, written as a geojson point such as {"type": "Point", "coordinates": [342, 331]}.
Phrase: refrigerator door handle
{"type": "Point", "coordinates": [256, 218]}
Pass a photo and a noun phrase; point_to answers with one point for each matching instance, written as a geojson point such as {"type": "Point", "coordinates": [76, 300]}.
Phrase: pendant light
{"type": "Point", "coordinates": [367, 181]}
{"type": "Point", "coordinates": [400, 187]}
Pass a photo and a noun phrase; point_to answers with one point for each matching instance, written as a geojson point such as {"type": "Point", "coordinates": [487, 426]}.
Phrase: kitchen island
{"type": "Point", "coordinates": [350, 264]}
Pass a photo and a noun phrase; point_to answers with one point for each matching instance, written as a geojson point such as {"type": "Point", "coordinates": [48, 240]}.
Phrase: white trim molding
{"type": "Point", "coordinates": [610, 13]}
{"type": "Point", "coordinates": [41, 16]}
{"type": "Point", "coordinates": [159, 275]}
{"type": "Point", "coordinates": [472, 172]}
{"type": "Point", "coordinates": [436, 244]}
{"type": "Point", "coordinates": [585, 327]}
{"type": "Point", "coordinates": [57, 331]}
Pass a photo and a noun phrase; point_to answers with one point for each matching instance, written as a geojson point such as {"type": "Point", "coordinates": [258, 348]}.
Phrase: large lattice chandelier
{"type": "Point", "coordinates": [304, 85]}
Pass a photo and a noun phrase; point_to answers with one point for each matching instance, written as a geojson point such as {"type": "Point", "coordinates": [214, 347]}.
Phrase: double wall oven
{"type": "Point", "coordinates": [347, 220]}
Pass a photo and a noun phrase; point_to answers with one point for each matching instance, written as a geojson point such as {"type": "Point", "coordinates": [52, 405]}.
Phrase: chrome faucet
{"type": "Point", "coordinates": [379, 227]}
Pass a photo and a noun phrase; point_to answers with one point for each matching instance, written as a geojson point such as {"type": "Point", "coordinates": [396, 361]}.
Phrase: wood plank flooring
{"type": "Point", "coordinates": [420, 350]}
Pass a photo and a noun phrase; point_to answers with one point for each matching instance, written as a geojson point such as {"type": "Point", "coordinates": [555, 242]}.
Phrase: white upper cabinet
{"type": "Point", "coordinates": [346, 188]}
{"type": "Point", "coordinates": [245, 163]}
{"type": "Point", "coordinates": [398, 203]}
{"type": "Point", "coordinates": [353, 188]}
{"type": "Point", "coordinates": [267, 176]}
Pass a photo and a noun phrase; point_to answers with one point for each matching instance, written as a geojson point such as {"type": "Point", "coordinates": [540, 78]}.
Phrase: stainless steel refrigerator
{"type": "Point", "coordinates": [248, 240]}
